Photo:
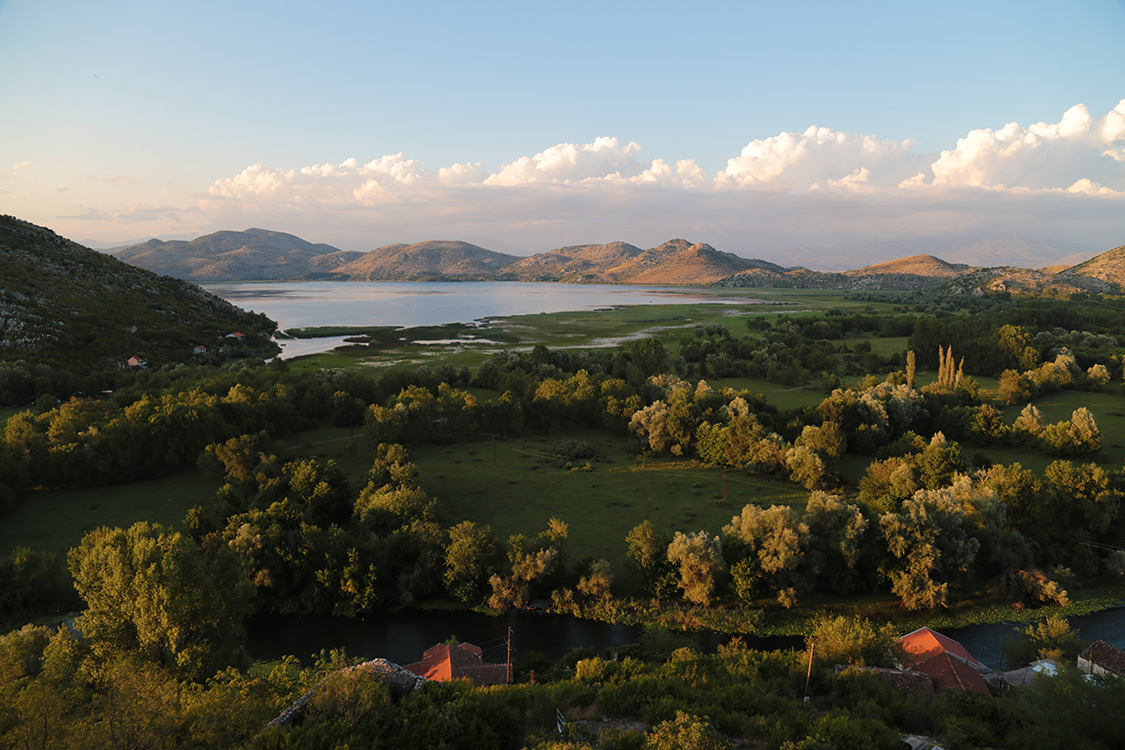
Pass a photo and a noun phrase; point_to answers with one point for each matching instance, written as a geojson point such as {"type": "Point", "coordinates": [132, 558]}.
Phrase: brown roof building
{"type": "Point", "coordinates": [444, 663]}
{"type": "Point", "coordinates": [1102, 658]}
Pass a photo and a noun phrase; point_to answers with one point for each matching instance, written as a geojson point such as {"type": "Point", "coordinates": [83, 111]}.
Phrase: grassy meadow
{"type": "Point", "coordinates": [515, 486]}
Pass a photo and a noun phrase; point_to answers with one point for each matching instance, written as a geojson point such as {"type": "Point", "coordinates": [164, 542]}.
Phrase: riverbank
{"type": "Point", "coordinates": [799, 620]}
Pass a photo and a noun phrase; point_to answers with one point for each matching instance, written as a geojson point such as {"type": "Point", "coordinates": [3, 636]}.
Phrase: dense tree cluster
{"type": "Point", "coordinates": [164, 606]}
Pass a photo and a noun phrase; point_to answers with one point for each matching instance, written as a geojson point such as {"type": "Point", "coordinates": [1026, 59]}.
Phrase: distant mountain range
{"type": "Point", "coordinates": [258, 254]}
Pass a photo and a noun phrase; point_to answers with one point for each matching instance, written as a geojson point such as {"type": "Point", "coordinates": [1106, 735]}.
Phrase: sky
{"type": "Point", "coordinates": [755, 127]}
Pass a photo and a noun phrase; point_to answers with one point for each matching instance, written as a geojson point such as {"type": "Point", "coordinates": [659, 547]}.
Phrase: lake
{"type": "Point", "coordinates": [423, 303]}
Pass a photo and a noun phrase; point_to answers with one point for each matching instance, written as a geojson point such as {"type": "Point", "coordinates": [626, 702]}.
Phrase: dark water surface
{"type": "Point", "coordinates": [403, 637]}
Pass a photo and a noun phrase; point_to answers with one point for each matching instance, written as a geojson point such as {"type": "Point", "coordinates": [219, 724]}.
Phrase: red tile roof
{"type": "Point", "coordinates": [444, 663]}
{"type": "Point", "coordinates": [946, 670]}
{"type": "Point", "coordinates": [924, 644]}
{"type": "Point", "coordinates": [943, 659]}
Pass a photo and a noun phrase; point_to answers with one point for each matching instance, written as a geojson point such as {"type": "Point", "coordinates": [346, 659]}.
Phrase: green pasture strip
{"type": "Point", "coordinates": [601, 504]}
{"type": "Point", "coordinates": [349, 447]}
{"type": "Point", "coordinates": [1108, 408]}
{"type": "Point", "coordinates": [783, 397]}
{"type": "Point", "coordinates": [56, 520]}
{"type": "Point", "coordinates": [884, 346]}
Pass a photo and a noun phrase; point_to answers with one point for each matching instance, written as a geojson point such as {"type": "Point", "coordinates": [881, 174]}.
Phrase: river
{"type": "Point", "coordinates": [422, 303]}
{"type": "Point", "coordinates": [403, 637]}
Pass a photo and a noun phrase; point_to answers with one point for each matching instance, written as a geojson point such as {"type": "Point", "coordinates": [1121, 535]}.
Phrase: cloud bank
{"type": "Point", "coordinates": [1064, 179]}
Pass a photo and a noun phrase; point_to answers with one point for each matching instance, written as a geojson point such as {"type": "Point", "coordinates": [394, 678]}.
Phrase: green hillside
{"type": "Point", "coordinates": [64, 305]}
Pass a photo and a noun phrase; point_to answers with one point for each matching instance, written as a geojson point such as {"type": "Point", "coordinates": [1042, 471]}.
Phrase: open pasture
{"type": "Point", "coordinates": [56, 520]}
{"type": "Point", "coordinates": [515, 486]}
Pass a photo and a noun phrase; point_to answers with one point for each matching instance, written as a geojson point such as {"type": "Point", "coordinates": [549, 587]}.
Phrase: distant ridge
{"type": "Point", "coordinates": [258, 254]}
{"type": "Point", "coordinates": [426, 261]}
{"type": "Point", "coordinates": [1109, 267]}
{"type": "Point", "coordinates": [250, 255]}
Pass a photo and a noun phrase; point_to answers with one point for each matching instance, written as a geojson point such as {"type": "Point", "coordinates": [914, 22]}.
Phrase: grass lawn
{"type": "Point", "coordinates": [56, 520]}
{"type": "Point", "coordinates": [784, 397]}
{"type": "Point", "coordinates": [526, 487]}
{"type": "Point", "coordinates": [1108, 408]}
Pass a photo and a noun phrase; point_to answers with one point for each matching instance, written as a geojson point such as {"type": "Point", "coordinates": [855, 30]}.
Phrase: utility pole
{"type": "Point", "coordinates": [509, 655]}
{"type": "Point", "coordinates": [808, 679]}
{"type": "Point", "coordinates": [724, 486]}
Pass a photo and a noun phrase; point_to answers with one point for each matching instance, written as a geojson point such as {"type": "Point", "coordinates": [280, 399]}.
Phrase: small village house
{"type": "Point", "coordinates": [1102, 658]}
{"type": "Point", "coordinates": [444, 663]}
{"type": "Point", "coordinates": [945, 661]}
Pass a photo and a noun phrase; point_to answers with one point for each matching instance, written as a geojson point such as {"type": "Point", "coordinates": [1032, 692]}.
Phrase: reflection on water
{"type": "Point", "coordinates": [418, 303]}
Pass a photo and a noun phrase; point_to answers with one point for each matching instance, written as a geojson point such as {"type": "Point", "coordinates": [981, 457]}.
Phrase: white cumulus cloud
{"type": "Point", "coordinates": [605, 158]}
{"type": "Point", "coordinates": [1040, 156]}
{"type": "Point", "coordinates": [798, 161]}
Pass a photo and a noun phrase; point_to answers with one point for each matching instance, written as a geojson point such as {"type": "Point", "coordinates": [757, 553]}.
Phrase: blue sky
{"type": "Point", "coordinates": [755, 127]}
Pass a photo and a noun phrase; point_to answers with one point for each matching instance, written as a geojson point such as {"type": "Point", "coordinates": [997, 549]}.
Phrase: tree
{"type": "Point", "coordinates": [1051, 639]}
{"type": "Point", "coordinates": [648, 552]}
{"type": "Point", "coordinates": [470, 559]}
{"type": "Point", "coordinates": [837, 530]}
{"type": "Point", "coordinates": [851, 640]}
{"type": "Point", "coordinates": [769, 545]}
{"type": "Point", "coordinates": [700, 560]}
{"type": "Point", "coordinates": [685, 732]}
{"type": "Point", "coordinates": [1098, 375]}
{"type": "Point", "coordinates": [597, 581]}
{"type": "Point", "coordinates": [928, 538]}
{"type": "Point", "coordinates": [1014, 387]}
{"type": "Point", "coordinates": [160, 594]}
{"type": "Point", "coordinates": [939, 461]}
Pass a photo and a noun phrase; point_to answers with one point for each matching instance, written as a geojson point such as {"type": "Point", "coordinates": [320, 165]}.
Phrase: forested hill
{"type": "Point", "coordinates": [64, 305]}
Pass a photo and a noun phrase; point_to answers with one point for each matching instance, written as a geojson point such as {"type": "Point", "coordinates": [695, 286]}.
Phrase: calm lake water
{"type": "Point", "coordinates": [410, 304]}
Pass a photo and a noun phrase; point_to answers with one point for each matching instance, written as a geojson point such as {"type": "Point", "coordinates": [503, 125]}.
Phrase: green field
{"type": "Point", "coordinates": [56, 520]}
{"type": "Point", "coordinates": [515, 486]}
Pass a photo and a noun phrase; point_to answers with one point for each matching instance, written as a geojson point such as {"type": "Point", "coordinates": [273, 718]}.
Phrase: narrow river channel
{"type": "Point", "coordinates": [403, 637]}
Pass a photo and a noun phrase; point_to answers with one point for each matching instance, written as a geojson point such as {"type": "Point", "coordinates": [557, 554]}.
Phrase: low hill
{"type": "Point", "coordinates": [1027, 281]}
{"type": "Point", "coordinates": [435, 260]}
{"type": "Point", "coordinates": [78, 309]}
{"type": "Point", "coordinates": [1108, 267]}
{"type": "Point", "coordinates": [250, 255]}
{"type": "Point", "coordinates": [576, 263]}
{"type": "Point", "coordinates": [676, 262]}
{"type": "Point", "coordinates": [915, 274]}
{"type": "Point", "coordinates": [915, 265]}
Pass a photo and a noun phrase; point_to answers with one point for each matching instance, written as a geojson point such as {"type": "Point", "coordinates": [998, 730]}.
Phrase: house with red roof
{"type": "Point", "coordinates": [444, 663]}
{"type": "Point", "coordinates": [943, 660]}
